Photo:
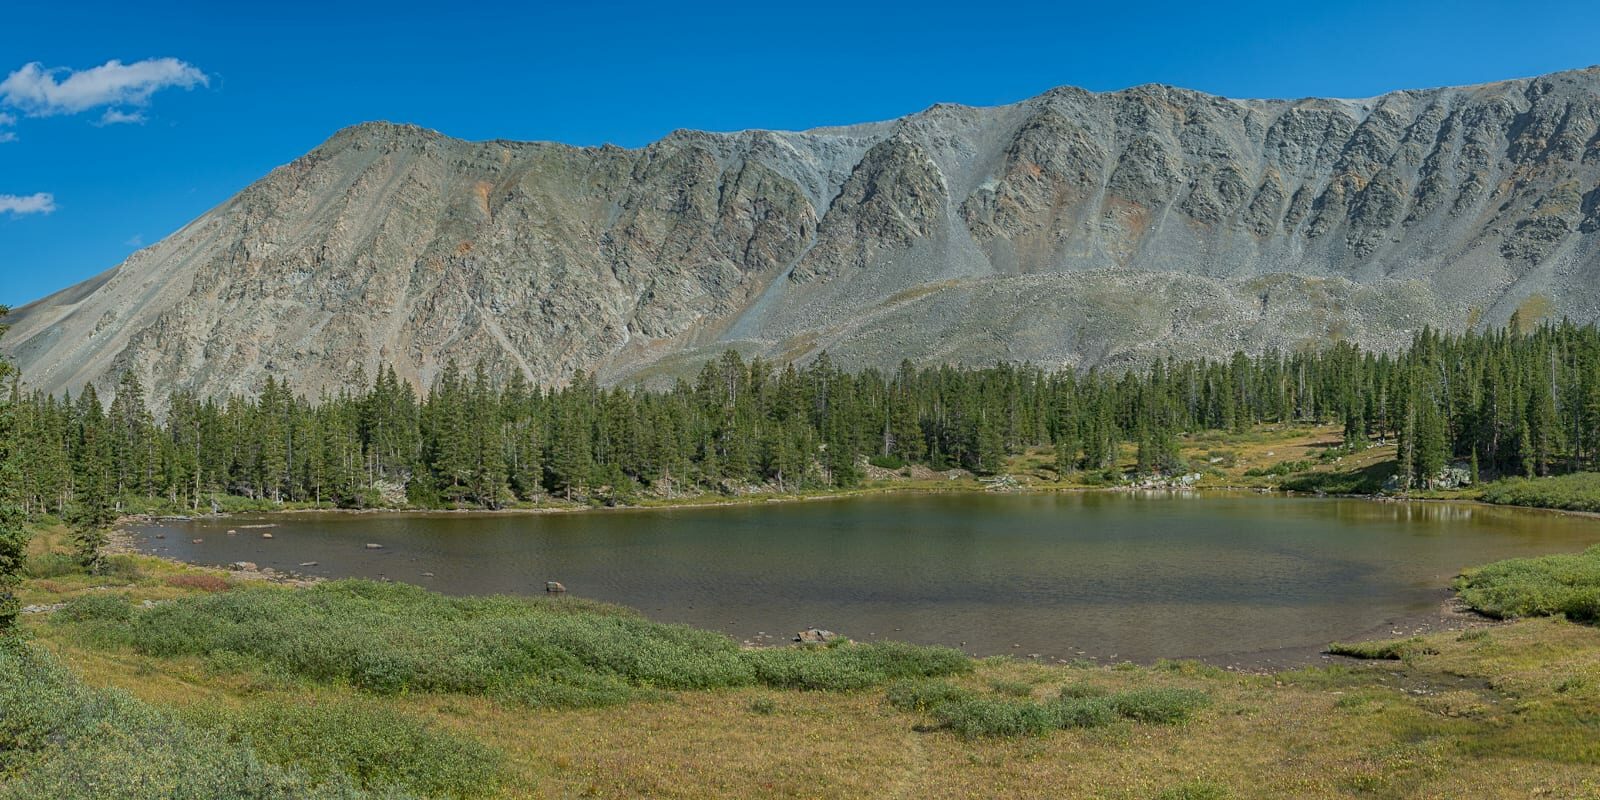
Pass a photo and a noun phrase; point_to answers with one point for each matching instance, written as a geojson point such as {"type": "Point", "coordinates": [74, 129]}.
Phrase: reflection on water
{"type": "Point", "coordinates": [1134, 576]}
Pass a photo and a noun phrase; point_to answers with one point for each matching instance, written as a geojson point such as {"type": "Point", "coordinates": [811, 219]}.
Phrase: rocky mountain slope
{"type": "Point", "coordinates": [1070, 229]}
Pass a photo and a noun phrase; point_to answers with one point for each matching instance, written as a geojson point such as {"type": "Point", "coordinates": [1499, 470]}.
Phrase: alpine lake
{"type": "Point", "coordinates": [1225, 577]}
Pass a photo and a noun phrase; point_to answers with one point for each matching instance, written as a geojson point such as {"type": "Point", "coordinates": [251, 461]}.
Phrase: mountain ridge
{"type": "Point", "coordinates": [1070, 229]}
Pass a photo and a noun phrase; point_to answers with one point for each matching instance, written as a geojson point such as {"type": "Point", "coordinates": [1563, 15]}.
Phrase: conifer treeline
{"type": "Point", "coordinates": [13, 528]}
{"type": "Point", "coordinates": [1508, 403]}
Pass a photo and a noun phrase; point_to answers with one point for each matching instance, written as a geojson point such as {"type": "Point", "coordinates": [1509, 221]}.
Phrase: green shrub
{"type": "Point", "coordinates": [972, 717]}
{"type": "Point", "coordinates": [1084, 712]}
{"type": "Point", "coordinates": [52, 565]}
{"type": "Point", "coordinates": [806, 668]}
{"type": "Point", "coordinates": [1280, 469]}
{"type": "Point", "coordinates": [924, 695]}
{"type": "Point", "coordinates": [199, 582]}
{"type": "Point", "coordinates": [62, 740]}
{"type": "Point", "coordinates": [1011, 688]}
{"type": "Point", "coordinates": [374, 747]}
{"type": "Point", "coordinates": [1579, 491]}
{"type": "Point", "coordinates": [577, 689]}
{"type": "Point", "coordinates": [1392, 649]}
{"type": "Point", "coordinates": [887, 462]}
{"type": "Point", "coordinates": [96, 607]}
{"type": "Point", "coordinates": [854, 666]}
{"type": "Point", "coordinates": [1074, 690]}
{"type": "Point", "coordinates": [1566, 585]}
{"type": "Point", "coordinates": [1367, 480]}
{"type": "Point", "coordinates": [1159, 706]}
{"type": "Point", "coordinates": [122, 569]}
{"type": "Point", "coordinates": [390, 638]}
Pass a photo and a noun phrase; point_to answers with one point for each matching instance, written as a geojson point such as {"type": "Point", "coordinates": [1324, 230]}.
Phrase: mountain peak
{"type": "Point", "coordinates": [1074, 228]}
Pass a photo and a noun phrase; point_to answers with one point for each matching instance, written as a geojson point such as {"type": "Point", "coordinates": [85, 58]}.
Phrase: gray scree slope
{"type": "Point", "coordinates": [1072, 229]}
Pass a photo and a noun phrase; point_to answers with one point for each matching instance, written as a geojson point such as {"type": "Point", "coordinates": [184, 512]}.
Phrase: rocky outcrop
{"type": "Point", "coordinates": [1070, 229]}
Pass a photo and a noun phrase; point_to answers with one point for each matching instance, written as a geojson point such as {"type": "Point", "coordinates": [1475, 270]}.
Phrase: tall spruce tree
{"type": "Point", "coordinates": [93, 510]}
{"type": "Point", "coordinates": [13, 522]}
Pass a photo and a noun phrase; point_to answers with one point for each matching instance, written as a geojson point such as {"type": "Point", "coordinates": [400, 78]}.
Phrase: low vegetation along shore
{"type": "Point", "coordinates": [135, 677]}
{"type": "Point", "coordinates": [157, 679]}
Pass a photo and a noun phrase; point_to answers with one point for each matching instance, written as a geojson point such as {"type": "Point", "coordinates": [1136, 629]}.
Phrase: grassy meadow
{"type": "Point", "coordinates": [155, 679]}
{"type": "Point", "coordinates": [225, 688]}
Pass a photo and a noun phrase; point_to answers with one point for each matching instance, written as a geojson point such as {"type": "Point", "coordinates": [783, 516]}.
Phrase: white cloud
{"type": "Point", "coordinates": [41, 203]}
{"type": "Point", "coordinates": [42, 92]}
{"type": "Point", "coordinates": [116, 116]}
{"type": "Point", "coordinates": [6, 120]}
{"type": "Point", "coordinates": [136, 240]}
{"type": "Point", "coordinates": [7, 136]}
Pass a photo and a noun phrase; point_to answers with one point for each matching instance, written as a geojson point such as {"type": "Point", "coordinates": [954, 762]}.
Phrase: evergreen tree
{"type": "Point", "coordinates": [93, 512]}
{"type": "Point", "coordinates": [990, 452]}
{"type": "Point", "coordinates": [1355, 426]}
{"type": "Point", "coordinates": [1506, 401]}
{"type": "Point", "coordinates": [520, 426]}
{"type": "Point", "coordinates": [1543, 429]}
{"type": "Point", "coordinates": [1432, 452]}
{"type": "Point", "coordinates": [487, 448]}
{"type": "Point", "coordinates": [571, 459]}
{"type": "Point", "coordinates": [13, 523]}
{"type": "Point", "coordinates": [1066, 451]}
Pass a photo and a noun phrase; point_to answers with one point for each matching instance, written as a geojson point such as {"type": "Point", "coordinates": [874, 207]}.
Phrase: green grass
{"type": "Point", "coordinates": [973, 715]}
{"type": "Point", "coordinates": [1195, 790]}
{"type": "Point", "coordinates": [1559, 585]}
{"type": "Point", "coordinates": [1387, 650]}
{"type": "Point", "coordinates": [1579, 491]}
{"type": "Point", "coordinates": [51, 565]}
{"type": "Point", "coordinates": [62, 740]}
{"type": "Point", "coordinates": [102, 607]}
{"type": "Point", "coordinates": [1161, 706]}
{"type": "Point", "coordinates": [923, 695]}
{"type": "Point", "coordinates": [1365, 480]}
{"type": "Point", "coordinates": [1012, 688]}
{"type": "Point", "coordinates": [392, 638]}
{"type": "Point", "coordinates": [1280, 469]}
{"type": "Point", "coordinates": [367, 744]}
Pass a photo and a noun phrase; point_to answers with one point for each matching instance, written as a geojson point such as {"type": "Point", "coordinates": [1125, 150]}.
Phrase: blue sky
{"type": "Point", "coordinates": [247, 90]}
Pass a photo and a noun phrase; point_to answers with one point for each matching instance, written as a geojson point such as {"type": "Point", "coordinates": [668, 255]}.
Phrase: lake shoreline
{"type": "Point", "coordinates": [1446, 614]}
{"type": "Point", "coordinates": [1451, 614]}
{"type": "Point", "coordinates": [703, 501]}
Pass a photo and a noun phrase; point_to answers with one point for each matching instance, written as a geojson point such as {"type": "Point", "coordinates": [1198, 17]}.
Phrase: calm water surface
{"type": "Point", "coordinates": [1107, 575]}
